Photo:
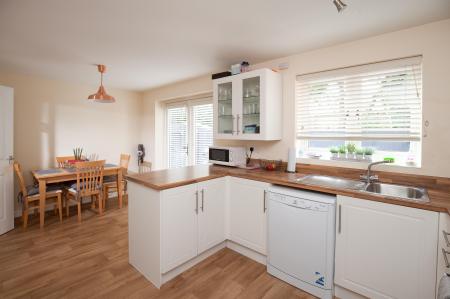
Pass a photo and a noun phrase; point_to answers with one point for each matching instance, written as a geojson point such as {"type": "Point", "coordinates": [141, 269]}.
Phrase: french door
{"type": "Point", "coordinates": [6, 156]}
{"type": "Point", "coordinates": [189, 132]}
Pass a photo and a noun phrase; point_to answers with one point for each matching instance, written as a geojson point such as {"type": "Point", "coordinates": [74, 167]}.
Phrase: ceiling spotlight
{"type": "Point", "coordinates": [339, 5]}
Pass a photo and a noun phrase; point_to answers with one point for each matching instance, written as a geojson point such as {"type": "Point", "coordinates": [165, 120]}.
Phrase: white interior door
{"type": "Point", "coordinates": [6, 154]}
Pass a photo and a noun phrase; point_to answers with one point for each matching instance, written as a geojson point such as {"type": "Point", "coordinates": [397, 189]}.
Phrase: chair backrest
{"type": "Point", "coordinates": [89, 177]}
{"type": "Point", "coordinates": [124, 160]}
{"type": "Point", "coordinates": [145, 167]}
{"type": "Point", "coordinates": [22, 186]}
{"type": "Point", "coordinates": [63, 159]}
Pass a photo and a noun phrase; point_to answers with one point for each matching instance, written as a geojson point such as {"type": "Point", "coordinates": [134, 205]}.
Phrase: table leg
{"type": "Point", "coordinates": [99, 198]}
{"type": "Point", "coordinates": [119, 186]}
{"type": "Point", "coordinates": [42, 195]}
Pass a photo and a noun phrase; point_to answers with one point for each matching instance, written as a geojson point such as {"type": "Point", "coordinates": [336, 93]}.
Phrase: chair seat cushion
{"type": "Point", "coordinates": [33, 190]}
{"type": "Point", "coordinates": [73, 188]}
{"type": "Point", "coordinates": [109, 178]}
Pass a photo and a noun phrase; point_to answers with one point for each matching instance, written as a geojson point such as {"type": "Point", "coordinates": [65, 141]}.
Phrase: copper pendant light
{"type": "Point", "coordinates": [101, 96]}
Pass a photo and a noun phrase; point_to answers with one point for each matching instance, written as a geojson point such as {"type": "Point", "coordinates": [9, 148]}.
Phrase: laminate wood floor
{"type": "Point", "coordinates": [90, 260]}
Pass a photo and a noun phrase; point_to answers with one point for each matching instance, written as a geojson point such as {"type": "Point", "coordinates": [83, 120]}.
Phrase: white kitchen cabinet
{"type": "Point", "coordinates": [248, 106]}
{"type": "Point", "coordinates": [384, 250]}
{"type": "Point", "coordinates": [247, 213]}
{"type": "Point", "coordinates": [179, 226]}
{"type": "Point", "coordinates": [193, 220]}
{"type": "Point", "coordinates": [211, 215]}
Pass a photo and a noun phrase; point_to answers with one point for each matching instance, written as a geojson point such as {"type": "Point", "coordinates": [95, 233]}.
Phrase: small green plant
{"type": "Point", "coordinates": [77, 152]}
{"type": "Point", "coordinates": [342, 149]}
{"type": "Point", "coordinates": [359, 151]}
{"type": "Point", "coordinates": [368, 151]}
{"type": "Point", "coordinates": [351, 148]}
{"type": "Point", "coordinates": [334, 150]}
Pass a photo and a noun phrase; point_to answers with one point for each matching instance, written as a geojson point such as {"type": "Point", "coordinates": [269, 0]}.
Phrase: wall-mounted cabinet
{"type": "Point", "coordinates": [248, 106]}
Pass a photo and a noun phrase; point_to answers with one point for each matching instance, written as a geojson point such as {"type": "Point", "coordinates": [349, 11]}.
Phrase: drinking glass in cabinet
{"type": "Point", "coordinates": [225, 119]}
{"type": "Point", "coordinates": [250, 105]}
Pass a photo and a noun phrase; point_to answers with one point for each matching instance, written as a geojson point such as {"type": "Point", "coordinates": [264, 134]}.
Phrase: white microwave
{"type": "Point", "coordinates": [229, 156]}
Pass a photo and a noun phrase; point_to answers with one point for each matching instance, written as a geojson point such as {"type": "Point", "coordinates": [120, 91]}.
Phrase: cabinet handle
{"type": "Point", "coordinates": [445, 252]}
{"type": "Point", "coordinates": [196, 202]}
{"type": "Point", "coordinates": [203, 199]}
{"type": "Point", "coordinates": [446, 237]}
{"type": "Point", "coordinates": [237, 124]}
{"type": "Point", "coordinates": [264, 201]}
{"type": "Point", "coordinates": [339, 222]}
{"type": "Point", "coordinates": [232, 122]}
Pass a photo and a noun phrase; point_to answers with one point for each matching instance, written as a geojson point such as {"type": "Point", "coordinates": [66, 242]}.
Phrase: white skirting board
{"type": "Point", "coordinates": [189, 264]}
{"type": "Point", "coordinates": [342, 293]}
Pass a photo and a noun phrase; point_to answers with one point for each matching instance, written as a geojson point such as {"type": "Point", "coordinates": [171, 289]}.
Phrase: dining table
{"type": "Point", "coordinates": [61, 175]}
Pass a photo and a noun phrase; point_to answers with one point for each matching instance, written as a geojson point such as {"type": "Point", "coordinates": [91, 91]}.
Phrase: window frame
{"type": "Point", "coordinates": [189, 103]}
{"type": "Point", "coordinates": [415, 145]}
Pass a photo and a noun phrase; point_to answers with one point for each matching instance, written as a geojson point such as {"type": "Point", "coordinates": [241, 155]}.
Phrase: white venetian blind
{"type": "Point", "coordinates": [177, 136]}
{"type": "Point", "coordinates": [203, 132]}
{"type": "Point", "coordinates": [379, 101]}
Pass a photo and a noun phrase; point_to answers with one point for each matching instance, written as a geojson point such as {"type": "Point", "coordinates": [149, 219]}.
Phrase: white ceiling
{"type": "Point", "coordinates": [150, 43]}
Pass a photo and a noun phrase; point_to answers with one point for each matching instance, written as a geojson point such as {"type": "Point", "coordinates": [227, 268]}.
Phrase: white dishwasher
{"type": "Point", "coordinates": [301, 236]}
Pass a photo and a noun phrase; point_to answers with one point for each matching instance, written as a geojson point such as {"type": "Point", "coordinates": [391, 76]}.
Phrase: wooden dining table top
{"type": "Point", "coordinates": [55, 173]}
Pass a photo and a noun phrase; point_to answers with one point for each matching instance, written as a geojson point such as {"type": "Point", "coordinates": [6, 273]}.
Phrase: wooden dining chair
{"type": "Point", "coordinates": [145, 167]}
{"type": "Point", "coordinates": [110, 184]}
{"type": "Point", "coordinates": [61, 161]}
{"type": "Point", "coordinates": [89, 184]}
{"type": "Point", "coordinates": [30, 196]}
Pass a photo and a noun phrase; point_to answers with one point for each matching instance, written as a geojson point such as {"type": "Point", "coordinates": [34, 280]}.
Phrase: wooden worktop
{"type": "Point", "coordinates": [438, 188]}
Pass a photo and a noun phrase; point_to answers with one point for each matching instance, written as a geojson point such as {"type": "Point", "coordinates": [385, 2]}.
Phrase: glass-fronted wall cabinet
{"type": "Point", "coordinates": [248, 106]}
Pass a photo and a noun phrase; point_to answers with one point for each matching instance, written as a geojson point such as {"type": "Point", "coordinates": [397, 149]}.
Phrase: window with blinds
{"type": "Point", "coordinates": [189, 132]}
{"type": "Point", "coordinates": [375, 102]}
{"type": "Point", "coordinates": [177, 136]}
{"type": "Point", "coordinates": [202, 123]}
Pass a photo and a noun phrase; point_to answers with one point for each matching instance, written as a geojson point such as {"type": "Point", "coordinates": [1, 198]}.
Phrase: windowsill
{"type": "Point", "coordinates": [328, 161]}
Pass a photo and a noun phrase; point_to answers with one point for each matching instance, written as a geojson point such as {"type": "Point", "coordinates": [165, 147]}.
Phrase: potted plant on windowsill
{"type": "Point", "coordinates": [351, 148]}
{"type": "Point", "coordinates": [342, 152]}
{"type": "Point", "coordinates": [368, 152]}
{"type": "Point", "coordinates": [334, 152]}
{"type": "Point", "coordinates": [359, 154]}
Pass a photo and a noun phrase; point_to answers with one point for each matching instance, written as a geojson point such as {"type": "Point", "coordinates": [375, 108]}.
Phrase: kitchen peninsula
{"type": "Point", "coordinates": [178, 217]}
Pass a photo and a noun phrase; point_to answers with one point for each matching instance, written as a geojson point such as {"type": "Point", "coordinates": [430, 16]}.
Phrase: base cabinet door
{"type": "Point", "coordinates": [247, 213]}
{"type": "Point", "coordinates": [211, 215]}
{"type": "Point", "coordinates": [384, 250]}
{"type": "Point", "coordinates": [178, 225]}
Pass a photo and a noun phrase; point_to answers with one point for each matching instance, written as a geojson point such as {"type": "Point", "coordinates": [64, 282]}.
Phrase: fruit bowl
{"type": "Point", "coordinates": [271, 165]}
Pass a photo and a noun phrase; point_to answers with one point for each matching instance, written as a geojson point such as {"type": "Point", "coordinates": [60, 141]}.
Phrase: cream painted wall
{"type": "Point", "coordinates": [430, 40]}
{"type": "Point", "coordinates": [52, 117]}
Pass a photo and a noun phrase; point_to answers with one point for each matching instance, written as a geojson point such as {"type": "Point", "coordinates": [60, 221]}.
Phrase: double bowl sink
{"type": "Point", "coordinates": [389, 190]}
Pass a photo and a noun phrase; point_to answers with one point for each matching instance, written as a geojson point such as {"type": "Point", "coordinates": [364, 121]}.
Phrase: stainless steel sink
{"type": "Point", "coordinates": [331, 182]}
{"type": "Point", "coordinates": [402, 192]}
{"type": "Point", "coordinates": [390, 190]}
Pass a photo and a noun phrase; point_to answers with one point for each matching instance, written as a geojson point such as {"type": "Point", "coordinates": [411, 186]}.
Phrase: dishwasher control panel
{"type": "Point", "coordinates": [299, 202]}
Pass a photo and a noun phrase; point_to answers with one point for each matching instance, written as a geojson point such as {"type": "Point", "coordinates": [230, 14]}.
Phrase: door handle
{"type": "Point", "coordinates": [264, 201]}
{"type": "Point", "coordinates": [237, 124]}
{"type": "Point", "coordinates": [339, 222]}
{"type": "Point", "coordinates": [203, 199]}
{"type": "Point", "coordinates": [196, 202]}
{"type": "Point", "coordinates": [10, 159]}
